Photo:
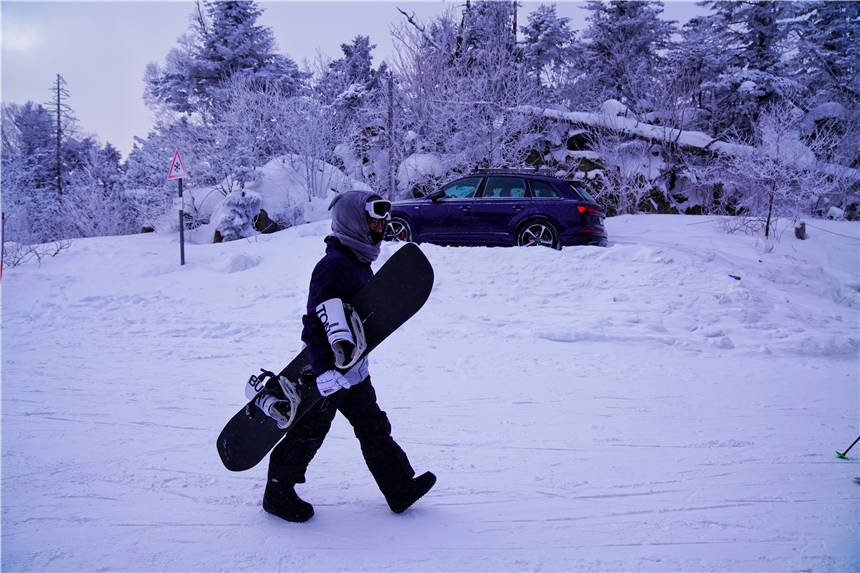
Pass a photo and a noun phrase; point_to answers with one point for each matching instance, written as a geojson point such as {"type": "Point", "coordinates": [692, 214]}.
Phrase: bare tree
{"type": "Point", "coordinates": [776, 174]}
{"type": "Point", "coordinates": [308, 128]}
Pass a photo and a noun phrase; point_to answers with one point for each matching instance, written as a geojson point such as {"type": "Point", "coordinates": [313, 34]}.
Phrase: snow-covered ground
{"type": "Point", "coordinates": [622, 408]}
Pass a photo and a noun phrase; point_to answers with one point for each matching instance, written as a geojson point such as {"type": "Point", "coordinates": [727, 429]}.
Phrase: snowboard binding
{"type": "Point", "coordinates": [347, 355]}
{"type": "Point", "coordinates": [273, 395]}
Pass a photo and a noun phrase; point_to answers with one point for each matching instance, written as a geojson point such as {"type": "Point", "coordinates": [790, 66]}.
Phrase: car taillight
{"type": "Point", "coordinates": [592, 215]}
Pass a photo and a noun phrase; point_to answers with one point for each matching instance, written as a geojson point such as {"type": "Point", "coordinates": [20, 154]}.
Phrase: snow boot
{"type": "Point", "coordinates": [283, 501]}
{"type": "Point", "coordinates": [405, 496]}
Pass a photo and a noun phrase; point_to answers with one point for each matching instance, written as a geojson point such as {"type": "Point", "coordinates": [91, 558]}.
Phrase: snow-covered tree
{"type": "Point", "coordinates": [225, 39]}
{"type": "Point", "coordinates": [234, 218]}
{"type": "Point", "coordinates": [460, 82]}
{"type": "Point", "coordinates": [350, 75]}
{"type": "Point", "coordinates": [782, 176]}
{"type": "Point", "coordinates": [548, 46]}
{"type": "Point", "coordinates": [623, 45]}
{"type": "Point", "coordinates": [696, 58]}
{"type": "Point", "coordinates": [355, 92]}
{"type": "Point", "coordinates": [827, 54]}
{"type": "Point", "coordinates": [145, 181]}
{"type": "Point", "coordinates": [92, 199]}
{"type": "Point", "coordinates": [754, 40]}
{"type": "Point", "coordinates": [27, 176]}
{"type": "Point", "coordinates": [95, 202]}
{"type": "Point", "coordinates": [64, 127]}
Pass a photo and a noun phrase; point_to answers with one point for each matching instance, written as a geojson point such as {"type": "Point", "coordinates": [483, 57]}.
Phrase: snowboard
{"type": "Point", "coordinates": [395, 293]}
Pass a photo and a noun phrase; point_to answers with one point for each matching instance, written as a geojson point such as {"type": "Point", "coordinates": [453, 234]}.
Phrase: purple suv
{"type": "Point", "coordinates": [501, 208]}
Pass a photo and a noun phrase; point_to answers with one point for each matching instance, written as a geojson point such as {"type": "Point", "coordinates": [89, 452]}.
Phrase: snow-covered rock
{"type": "Point", "coordinates": [613, 107]}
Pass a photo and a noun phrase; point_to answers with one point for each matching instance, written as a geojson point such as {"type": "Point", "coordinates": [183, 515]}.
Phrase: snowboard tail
{"type": "Point", "coordinates": [394, 294]}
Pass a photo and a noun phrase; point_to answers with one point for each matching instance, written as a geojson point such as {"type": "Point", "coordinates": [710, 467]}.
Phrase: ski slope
{"type": "Point", "coordinates": [623, 408]}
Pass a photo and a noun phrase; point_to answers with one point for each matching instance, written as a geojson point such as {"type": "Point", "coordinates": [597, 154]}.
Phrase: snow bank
{"type": "Point", "coordinates": [630, 408]}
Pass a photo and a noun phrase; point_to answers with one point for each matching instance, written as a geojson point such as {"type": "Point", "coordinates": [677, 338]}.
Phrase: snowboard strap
{"type": "Point", "coordinates": [357, 328]}
{"type": "Point", "coordinates": [293, 397]}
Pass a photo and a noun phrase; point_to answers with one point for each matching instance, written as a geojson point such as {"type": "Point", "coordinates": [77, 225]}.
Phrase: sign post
{"type": "Point", "coordinates": [177, 171]}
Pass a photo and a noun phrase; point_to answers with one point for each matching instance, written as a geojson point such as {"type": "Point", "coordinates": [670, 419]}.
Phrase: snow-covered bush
{"type": "Point", "coordinates": [420, 174]}
{"type": "Point", "coordinates": [234, 217]}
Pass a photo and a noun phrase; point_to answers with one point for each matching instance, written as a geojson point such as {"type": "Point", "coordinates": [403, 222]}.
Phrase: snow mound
{"type": "Point", "coordinates": [241, 262]}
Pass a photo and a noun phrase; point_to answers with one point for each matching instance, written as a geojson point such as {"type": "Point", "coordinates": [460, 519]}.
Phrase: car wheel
{"type": "Point", "coordinates": [398, 231]}
{"type": "Point", "coordinates": [538, 233]}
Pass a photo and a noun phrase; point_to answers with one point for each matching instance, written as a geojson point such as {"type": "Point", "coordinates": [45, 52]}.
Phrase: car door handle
{"type": "Point", "coordinates": [465, 207]}
{"type": "Point", "coordinates": [518, 207]}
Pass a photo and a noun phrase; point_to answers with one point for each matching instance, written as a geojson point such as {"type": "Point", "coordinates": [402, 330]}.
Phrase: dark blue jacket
{"type": "Point", "coordinates": [339, 274]}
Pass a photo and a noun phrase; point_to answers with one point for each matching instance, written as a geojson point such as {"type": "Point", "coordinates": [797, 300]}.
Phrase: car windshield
{"type": "Point", "coordinates": [581, 192]}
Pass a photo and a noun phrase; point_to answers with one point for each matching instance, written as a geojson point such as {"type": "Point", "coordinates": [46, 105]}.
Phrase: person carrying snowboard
{"type": "Point", "coordinates": [358, 223]}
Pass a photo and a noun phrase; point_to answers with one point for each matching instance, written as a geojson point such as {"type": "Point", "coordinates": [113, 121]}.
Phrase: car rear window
{"type": "Point", "coordinates": [544, 190]}
{"type": "Point", "coordinates": [581, 192]}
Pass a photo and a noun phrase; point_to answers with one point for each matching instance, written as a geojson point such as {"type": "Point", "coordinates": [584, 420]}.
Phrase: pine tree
{"type": "Point", "coordinates": [755, 38]}
{"type": "Point", "coordinates": [63, 127]}
{"type": "Point", "coordinates": [224, 41]}
{"type": "Point", "coordinates": [548, 45]}
{"type": "Point", "coordinates": [623, 44]}
{"type": "Point", "coordinates": [827, 58]}
{"type": "Point", "coordinates": [355, 93]}
{"type": "Point", "coordinates": [28, 175]}
{"type": "Point", "coordinates": [488, 28]}
{"type": "Point", "coordinates": [695, 59]}
{"type": "Point", "coordinates": [351, 78]}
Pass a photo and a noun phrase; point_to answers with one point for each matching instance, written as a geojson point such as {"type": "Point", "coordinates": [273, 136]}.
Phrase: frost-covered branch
{"type": "Point", "coordinates": [427, 37]}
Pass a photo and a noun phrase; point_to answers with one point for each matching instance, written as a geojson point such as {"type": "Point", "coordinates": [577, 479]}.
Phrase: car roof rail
{"type": "Point", "coordinates": [545, 171]}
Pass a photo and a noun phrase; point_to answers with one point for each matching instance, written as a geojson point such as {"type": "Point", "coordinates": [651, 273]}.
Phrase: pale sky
{"type": "Point", "coordinates": [102, 48]}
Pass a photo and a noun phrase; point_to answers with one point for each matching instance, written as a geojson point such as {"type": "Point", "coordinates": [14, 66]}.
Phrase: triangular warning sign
{"type": "Point", "coordinates": [177, 170]}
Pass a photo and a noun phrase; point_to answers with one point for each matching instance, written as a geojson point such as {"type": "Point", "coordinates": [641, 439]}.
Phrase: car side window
{"type": "Point", "coordinates": [505, 187]}
{"type": "Point", "coordinates": [462, 188]}
{"type": "Point", "coordinates": [544, 190]}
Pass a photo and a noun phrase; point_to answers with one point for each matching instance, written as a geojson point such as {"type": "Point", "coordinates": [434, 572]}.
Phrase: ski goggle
{"type": "Point", "coordinates": [378, 209]}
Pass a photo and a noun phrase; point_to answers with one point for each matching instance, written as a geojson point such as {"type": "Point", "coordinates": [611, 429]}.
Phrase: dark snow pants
{"type": "Point", "coordinates": [386, 461]}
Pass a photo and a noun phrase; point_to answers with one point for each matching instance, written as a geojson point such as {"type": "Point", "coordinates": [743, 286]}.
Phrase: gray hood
{"type": "Point", "coordinates": [349, 224]}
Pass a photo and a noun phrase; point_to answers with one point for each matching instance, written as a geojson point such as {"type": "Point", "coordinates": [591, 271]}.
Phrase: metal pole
{"type": "Point", "coordinates": [181, 227]}
{"type": "Point", "coordinates": [389, 131]}
{"type": "Point", "coordinates": [2, 243]}
{"type": "Point", "coordinates": [842, 454]}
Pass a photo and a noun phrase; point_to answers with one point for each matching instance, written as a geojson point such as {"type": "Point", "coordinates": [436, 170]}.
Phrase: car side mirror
{"type": "Point", "coordinates": [436, 195]}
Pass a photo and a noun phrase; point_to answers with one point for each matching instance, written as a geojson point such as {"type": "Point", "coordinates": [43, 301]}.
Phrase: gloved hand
{"type": "Point", "coordinates": [330, 382]}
